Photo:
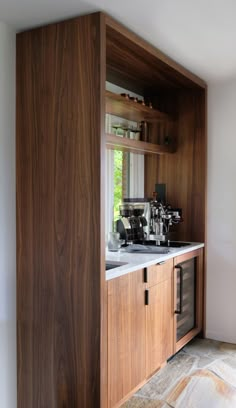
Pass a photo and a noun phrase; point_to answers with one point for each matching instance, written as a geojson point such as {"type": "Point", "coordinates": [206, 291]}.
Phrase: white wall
{"type": "Point", "coordinates": [7, 220]}
{"type": "Point", "coordinates": [221, 216]}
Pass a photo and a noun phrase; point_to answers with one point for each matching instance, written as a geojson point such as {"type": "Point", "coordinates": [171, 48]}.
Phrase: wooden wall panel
{"type": "Point", "coordinates": [184, 171]}
{"type": "Point", "coordinates": [60, 86]}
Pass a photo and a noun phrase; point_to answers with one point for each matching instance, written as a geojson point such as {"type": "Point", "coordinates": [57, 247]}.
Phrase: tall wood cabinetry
{"type": "Point", "coordinates": [61, 105]}
{"type": "Point", "coordinates": [60, 241]}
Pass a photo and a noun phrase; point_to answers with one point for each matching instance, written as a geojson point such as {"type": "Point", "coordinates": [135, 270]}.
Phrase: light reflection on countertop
{"type": "Point", "coordinates": [135, 261]}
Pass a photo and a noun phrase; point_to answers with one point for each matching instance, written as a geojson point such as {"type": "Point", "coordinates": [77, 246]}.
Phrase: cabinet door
{"type": "Point", "coordinates": [126, 335]}
{"type": "Point", "coordinates": [160, 325]}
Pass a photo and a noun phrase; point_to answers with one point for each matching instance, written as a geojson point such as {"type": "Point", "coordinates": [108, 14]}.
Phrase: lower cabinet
{"type": "Point", "coordinates": [160, 316]}
{"type": "Point", "coordinates": [126, 335]}
{"type": "Point", "coordinates": [148, 310]}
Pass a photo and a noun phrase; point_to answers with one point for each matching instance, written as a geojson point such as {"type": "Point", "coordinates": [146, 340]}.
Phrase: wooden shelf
{"type": "Point", "coordinates": [127, 109]}
{"type": "Point", "coordinates": [136, 146]}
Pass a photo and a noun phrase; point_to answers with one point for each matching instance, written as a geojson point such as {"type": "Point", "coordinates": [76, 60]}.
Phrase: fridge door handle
{"type": "Point", "coordinates": [180, 310]}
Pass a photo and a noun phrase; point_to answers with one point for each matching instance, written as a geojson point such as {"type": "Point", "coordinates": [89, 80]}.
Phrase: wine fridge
{"type": "Point", "coordinates": [188, 297]}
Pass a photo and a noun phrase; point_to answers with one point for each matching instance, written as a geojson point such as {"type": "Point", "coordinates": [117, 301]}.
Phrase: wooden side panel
{"type": "Point", "coordinates": [160, 325]}
{"type": "Point", "coordinates": [60, 85]}
{"type": "Point", "coordinates": [184, 172]}
{"type": "Point", "coordinates": [126, 335]}
{"type": "Point", "coordinates": [200, 291]}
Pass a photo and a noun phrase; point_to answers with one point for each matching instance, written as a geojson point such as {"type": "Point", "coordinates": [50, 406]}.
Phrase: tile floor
{"type": "Point", "coordinates": [201, 375]}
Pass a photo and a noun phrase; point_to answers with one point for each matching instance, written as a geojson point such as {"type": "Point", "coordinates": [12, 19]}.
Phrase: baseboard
{"type": "Point", "coordinates": [220, 337]}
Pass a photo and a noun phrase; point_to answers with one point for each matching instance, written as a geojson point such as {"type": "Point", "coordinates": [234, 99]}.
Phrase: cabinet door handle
{"type": "Point", "coordinates": [179, 311]}
{"type": "Point", "coordinates": [161, 263]}
{"type": "Point", "coordinates": [146, 297]}
{"type": "Point", "coordinates": [145, 275]}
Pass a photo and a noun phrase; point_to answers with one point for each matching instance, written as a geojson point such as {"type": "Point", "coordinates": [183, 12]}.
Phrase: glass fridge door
{"type": "Point", "coordinates": [186, 297]}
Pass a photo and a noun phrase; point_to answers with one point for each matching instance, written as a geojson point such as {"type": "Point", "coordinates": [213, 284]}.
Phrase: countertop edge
{"type": "Point", "coordinates": [136, 261]}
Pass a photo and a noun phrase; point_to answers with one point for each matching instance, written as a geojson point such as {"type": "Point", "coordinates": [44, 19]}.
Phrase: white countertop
{"type": "Point", "coordinates": [135, 261]}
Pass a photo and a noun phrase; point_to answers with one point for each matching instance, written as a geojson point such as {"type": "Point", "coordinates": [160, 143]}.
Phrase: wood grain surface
{"type": "Point", "coordinates": [137, 146]}
{"type": "Point", "coordinates": [134, 62]}
{"type": "Point", "coordinates": [60, 89]}
{"type": "Point", "coordinates": [126, 335]}
{"type": "Point", "coordinates": [184, 172]}
{"type": "Point", "coordinates": [125, 108]}
{"type": "Point", "coordinates": [159, 272]}
{"type": "Point", "coordinates": [160, 323]}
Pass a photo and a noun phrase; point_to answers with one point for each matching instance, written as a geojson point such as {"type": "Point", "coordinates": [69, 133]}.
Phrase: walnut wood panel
{"type": "Point", "coordinates": [60, 86]}
{"type": "Point", "coordinates": [160, 325]}
{"type": "Point", "coordinates": [136, 146]}
{"type": "Point", "coordinates": [125, 108]}
{"type": "Point", "coordinates": [199, 296]}
{"type": "Point", "coordinates": [184, 172]}
{"type": "Point", "coordinates": [159, 272]}
{"type": "Point", "coordinates": [133, 61]}
{"type": "Point", "coordinates": [126, 335]}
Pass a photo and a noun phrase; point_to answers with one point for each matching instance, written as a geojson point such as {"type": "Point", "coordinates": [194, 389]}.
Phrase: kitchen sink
{"type": "Point", "coordinates": [113, 264]}
{"type": "Point", "coordinates": [171, 244]}
{"type": "Point", "coordinates": [175, 244]}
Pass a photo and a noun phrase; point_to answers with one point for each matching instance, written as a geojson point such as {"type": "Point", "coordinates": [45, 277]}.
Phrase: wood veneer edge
{"type": "Point", "coordinates": [103, 282]}
{"type": "Point", "coordinates": [205, 218]}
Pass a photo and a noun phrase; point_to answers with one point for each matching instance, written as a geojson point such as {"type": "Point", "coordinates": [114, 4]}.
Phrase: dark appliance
{"type": "Point", "coordinates": [132, 225]}
{"type": "Point", "coordinates": [186, 297]}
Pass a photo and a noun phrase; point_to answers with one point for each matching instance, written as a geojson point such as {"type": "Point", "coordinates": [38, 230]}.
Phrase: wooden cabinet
{"type": "Point", "coordinates": [126, 335]}
{"type": "Point", "coordinates": [142, 321]}
{"type": "Point", "coordinates": [60, 149]}
{"type": "Point", "coordinates": [140, 328]}
{"type": "Point", "coordinates": [160, 316]}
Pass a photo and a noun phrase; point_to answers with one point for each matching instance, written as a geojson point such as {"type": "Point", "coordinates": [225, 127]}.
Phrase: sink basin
{"type": "Point", "coordinates": [175, 244]}
{"type": "Point", "coordinates": [113, 264]}
{"type": "Point", "coordinates": [171, 244]}
{"type": "Point", "coordinates": [146, 249]}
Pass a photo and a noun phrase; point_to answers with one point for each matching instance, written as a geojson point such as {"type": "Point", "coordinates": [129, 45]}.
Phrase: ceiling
{"type": "Point", "coordinates": [199, 34]}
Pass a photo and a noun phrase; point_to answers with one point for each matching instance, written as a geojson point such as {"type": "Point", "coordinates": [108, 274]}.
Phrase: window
{"type": "Point", "coordinates": [124, 179]}
{"type": "Point", "coordinates": [124, 171]}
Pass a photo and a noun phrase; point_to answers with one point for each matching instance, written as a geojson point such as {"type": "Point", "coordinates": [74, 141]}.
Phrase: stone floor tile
{"type": "Point", "coordinates": [164, 380]}
{"type": "Point", "coordinates": [230, 361]}
{"type": "Point", "coordinates": [202, 375]}
{"type": "Point", "coordinates": [224, 371]}
{"type": "Point", "coordinates": [202, 390]}
{"type": "Point", "coordinates": [205, 347]}
{"type": "Point", "coordinates": [138, 402]}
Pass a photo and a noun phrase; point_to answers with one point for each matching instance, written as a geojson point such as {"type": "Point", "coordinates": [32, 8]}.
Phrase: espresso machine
{"type": "Point", "coordinates": [162, 217]}
{"type": "Point", "coordinates": [133, 225]}
{"type": "Point", "coordinates": [142, 222]}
